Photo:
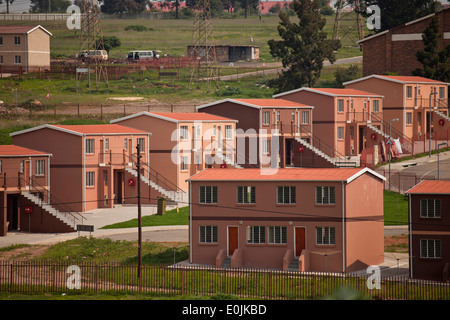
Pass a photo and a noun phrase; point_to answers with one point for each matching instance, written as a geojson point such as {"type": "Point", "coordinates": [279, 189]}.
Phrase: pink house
{"type": "Point", "coordinates": [25, 193]}
{"type": "Point", "coordinates": [93, 166]}
{"type": "Point", "coordinates": [328, 219]}
{"type": "Point", "coordinates": [346, 121]}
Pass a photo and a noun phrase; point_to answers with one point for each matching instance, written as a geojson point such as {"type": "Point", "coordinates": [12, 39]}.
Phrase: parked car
{"type": "Point", "coordinates": [93, 54]}
{"type": "Point", "coordinates": [134, 56]}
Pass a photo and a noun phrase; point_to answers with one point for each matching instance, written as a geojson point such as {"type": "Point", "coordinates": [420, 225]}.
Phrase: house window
{"type": "Point", "coordinates": [208, 234]}
{"type": "Point", "coordinates": [430, 208]}
{"type": "Point", "coordinates": [40, 167]}
{"type": "Point", "coordinates": [430, 248]}
{"type": "Point", "coordinates": [89, 146]}
{"type": "Point", "coordinates": [340, 133]}
{"type": "Point", "coordinates": [409, 118]}
{"type": "Point", "coordinates": [125, 143]}
{"type": "Point", "coordinates": [277, 235]}
{"type": "Point", "coordinates": [22, 166]}
{"type": "Point", "coordinates": [341, 105]}
{"type": "Point", "coordinates": [278, 116]}
{"type": "Point", "coordinates": [246, 194]}
{"type": "Point", "coordinates": [325, 195]}
{"type": "Point", "coordinates": [1, 41]}
{"type": "Point", "coordinates": [305, 117]}
{"type": "Point", "coordinates": [256, 234]}
{"type": "Point", "coordinates": [441, 93]}
{"type": "Point", "coordinates": [266, 117]}
{"type": "Point", "coordinates": [1, 167]}
{"type": "Point", "coordinates": [17, 59]}
{"type": "Point", "coordinates": [17, 41]}
{"type": "Point", "coordinates": [325, 235]}
{"type": "Point", "coordinates": [228, 132]}
{"type": "Point", "coordinates": [183, 132]}
{"type": "Point", "coordinates": [141, 143]}
{"type": "Point", "coordinates": [106, 144]}
{"type": "Point", "coordinates": [208, 194]}
{"type": "Point", "coordinates": [1, 59]}
{"type": "Point", "coordinates": [183, 163]}
{"type": "Point", "coordinates": [376, 105]}
{"type": "Point", "coordinates": [409, 92]}
{"type": "Point", "coordinates": [266, 146]}
{"type": "Point", "coordinates": [286, 195]}
{"type": "Point", "coordinates": [293, 116]}
{"type": "Point", "coordinates": [90, 179]}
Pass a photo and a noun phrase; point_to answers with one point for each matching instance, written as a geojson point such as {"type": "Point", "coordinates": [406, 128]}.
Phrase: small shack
{"type": "Point", "coordinates": [226, 53]}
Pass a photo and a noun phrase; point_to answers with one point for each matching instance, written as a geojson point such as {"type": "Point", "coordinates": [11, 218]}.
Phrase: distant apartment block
{"type": "Point", "coordinates": [25, 47]}
{"type": "Point", "coordinates": [185, 143]}
{"type": "Point", "coordinates": [303, 219]}
{"type": "Point", "coordinates": [429, 230]}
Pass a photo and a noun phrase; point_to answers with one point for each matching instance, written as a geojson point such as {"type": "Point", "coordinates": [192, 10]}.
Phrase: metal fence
{"type": "Point", "coordinates": [48, 277]}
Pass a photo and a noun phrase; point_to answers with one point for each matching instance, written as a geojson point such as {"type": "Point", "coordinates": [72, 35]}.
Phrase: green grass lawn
{"type": "Point", "coordinates": [395, 209]}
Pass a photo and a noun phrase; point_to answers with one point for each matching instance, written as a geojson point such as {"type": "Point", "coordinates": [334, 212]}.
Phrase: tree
{"type": "Point", "coordinates": [109, 42]}
{"type": "Point", "coordinates": [49, 5]}
{"type": "Point", "coordinates": [346, 74]}
{"type": "Point", "coordinates": [8, 2]}
{"type": "Point", "coordinates": [395, 13]}
{"type": "Point", "coordinates": [435, 61]}
{"type": "Point", "coordinates": [304, 46]}
{"type": "Point", "coordinates": [123, 6]}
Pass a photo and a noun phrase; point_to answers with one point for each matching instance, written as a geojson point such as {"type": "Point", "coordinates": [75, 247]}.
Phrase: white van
{"type": "Point", "coordinates": [134, 56]}
{"type": "Point", "coordinates": [93, 54]}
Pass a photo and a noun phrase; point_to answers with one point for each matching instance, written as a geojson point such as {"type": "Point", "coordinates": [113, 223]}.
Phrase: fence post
{"type": "Point", "coordinates": [313, 287]}
{"type": "Point", "coordinates": [270, 285]}
{"type": "Point", "coordinates": [182, 281]}
{"type": "Point", "coordinates": [11, 279]}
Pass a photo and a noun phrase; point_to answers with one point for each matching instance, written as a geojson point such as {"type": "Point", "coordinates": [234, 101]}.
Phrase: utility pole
{"type": "Point", "coordinates": [348, 22]}
{"type": "Point", "coordinates": [138, 168]}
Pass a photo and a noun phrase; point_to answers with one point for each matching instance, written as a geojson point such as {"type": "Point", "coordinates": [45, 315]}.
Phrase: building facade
{"type": "Point", "coordinates": [309, 219]}
{"type": "Point", "coordinates": [24, 48]}
{"type": "Point", "coordinates": [429, 231]}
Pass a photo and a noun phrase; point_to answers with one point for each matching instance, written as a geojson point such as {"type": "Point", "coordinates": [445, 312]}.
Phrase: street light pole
{"type": "Point", "coordinates": [389, 151]}
{"type": "Point", "coordinates": [138, 168]}
{"type": "Point", "coordinates": [440, 144]}
{"type": "Point", "coordinates": [429, 124]}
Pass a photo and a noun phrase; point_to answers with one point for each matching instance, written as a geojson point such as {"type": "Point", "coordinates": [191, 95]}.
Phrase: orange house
{"type": "Point", "coordinates": [185, 143]}
{"type": "Point", "coordinates": [304, 219]}
{"type": "Point", "coordinates": [93, 166]}
{"type": "Point", "coordinates": [346, 121]}
{"type": "Point", "coordinates": [412, 100]}
{"type": "Point", "coordinates": [25, 193]}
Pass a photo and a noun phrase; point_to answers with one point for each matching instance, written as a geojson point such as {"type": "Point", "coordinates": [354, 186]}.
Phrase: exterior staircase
{"type": "Point", "coordinates": [66, 217]}
{"type": "Point", "coordinates": [226, 264]}
{"type": "Point", "coordinates": [176, 196]}
{"type": "Point", "coordinates": [375, 129]}
{"type": "Point", "coordinates": [442, 115]}
{"type": "Point", "coordinates": [228, 161]}
{"type": "Point", "coordinates": [294, 265]}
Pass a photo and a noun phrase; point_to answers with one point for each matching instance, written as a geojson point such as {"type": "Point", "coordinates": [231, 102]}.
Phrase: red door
{"type": "Point", "coordinates": [300, 242]}
{"type": "Point", "coordinates": [232, 239]}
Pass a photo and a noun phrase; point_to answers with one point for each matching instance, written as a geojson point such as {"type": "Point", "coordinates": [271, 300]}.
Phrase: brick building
{"type": "Point", "coordinates": [394, 50]}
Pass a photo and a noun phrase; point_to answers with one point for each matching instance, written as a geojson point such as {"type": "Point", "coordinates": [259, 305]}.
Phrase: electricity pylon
{"type": "Point", "coordinates": [203, 47]}
{"type": "Point", "coordinates": [348, 22]}
{"type": "Point", "coordinates": [91, 39]}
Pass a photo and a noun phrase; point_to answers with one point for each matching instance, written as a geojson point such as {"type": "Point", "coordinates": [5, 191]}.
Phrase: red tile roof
{"type": "Point", "coordinates": [100, 128]}
{"type": "Point", "coordinates": [20, 29]}
{"type": "Point", "coordinates": [431, 187]}
{"type": "Point", "coordinates": [191, 116]}
{"type": "Point", "coordinates": [273, 103]}
{"type": "Point", "coordinates": [413, 79]}
{"type": "Point", "coordinates": [13, 150]}
{"type": "Point", "coordinates": [345, 92]}
{"type": "Point", "coordinates": [282, 174]}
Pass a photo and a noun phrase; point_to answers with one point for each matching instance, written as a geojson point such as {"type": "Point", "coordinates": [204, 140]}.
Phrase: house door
{"type": "Point", "coordinates": [118, 183]}
{"type": "Point", "coordinates": [288, 152]}
{"type": "Point", "coordinates": [232, 239]}
{"type": "Point", "coordinates": [300, 240]}
{"type": "Point", "coordinates": [362, 139]}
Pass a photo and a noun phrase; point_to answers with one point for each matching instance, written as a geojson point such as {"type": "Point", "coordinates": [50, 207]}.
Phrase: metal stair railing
{"type": "Point", "coordinates": [50, 199]}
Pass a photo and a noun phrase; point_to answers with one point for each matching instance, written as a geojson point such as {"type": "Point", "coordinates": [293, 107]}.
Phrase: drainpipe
{"type": "Point", "coordinates": [190, 221]}
{"type": "Point", "coordinates": [343, 227]}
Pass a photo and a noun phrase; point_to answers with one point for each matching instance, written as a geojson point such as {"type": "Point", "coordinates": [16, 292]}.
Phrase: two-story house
{"type": "Point", "coordinates": [24, 47]}
{"type": "Point", "coordinates": [93, 166]}
{"type": "Point", "coordinates": [25, 190]}
{"type": "Point", "coordinates": [185, 143]}
{"type": "Point", "coordinates": [345, 120]}
{"type": "Point", "coordinates": [316, 219]}
{"type": "Point", "coordinates": [269, 131]}
{"type": "Point", "coordinates": [412, 100]}
{"type": "Point", "coordinates": [429, 230]}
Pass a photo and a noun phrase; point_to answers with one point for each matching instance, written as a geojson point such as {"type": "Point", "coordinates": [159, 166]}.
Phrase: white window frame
{"type": "Point", "coordinates": [409, 118]}
{"type": "Point", "coordinates": [376, 106]}
{"type": "Point", "coordinates": [266, 146]}
{"type": "Point", "coordinates": [266, 117]}
{"type": "Point", "coordinates": [228, 132]}
{"type": "Point", "coordinates": [208, 234]}
{"type": "Point", "coordinates": [327, 195]}
{"type": "Point", "coordinates": [287, 194]}
{"type": "Point", "coordinates": [208, 194]}
{"type": "Point", "coordinates": [141, 143]}
{"type": "Point", "coordinates": [427, 205]}
{"type": "Point", "coordinates": [40, 167]}
{"type": "Point", "coordinates": [441, 93]}
{"type": "Point", "coordinates": [305, 117]}
{"type": "Point", "coordinates": [247, 194]}
{"type": "Point", "coordinates": [90, 146]}
{"type": "Point", "coordinates": [183, 163]}
{"type": "Point", "coordinates": [256, 234]}
{"type": "Point", "coordinates": [409, 92]}
{"type": "Point", "coordinates": [17, 59]}
{"type": "Point", "coordinates": [340, 133]}
{"type": "Point", "coordinates": [17, 40]}
{"type": "Point", "coordinates": [430, 249]}
{"type": "Point", "coordinates": [90, 179]}
{"type": "Point", "coordinates": [277, 234]}
{"type": "Point", "coordinates": [184, 132]}
{"type": "Point", "coordinates": [325, 235]}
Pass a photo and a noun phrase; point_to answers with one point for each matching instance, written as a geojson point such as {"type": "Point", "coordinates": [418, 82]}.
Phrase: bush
{"type": "Point", "coordinates": [136, 27]}
{"type": "Point", "coordinates": [229, 91]}
{"type": "Point", "coordinates": [346, 74]}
